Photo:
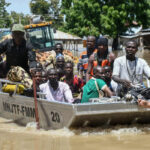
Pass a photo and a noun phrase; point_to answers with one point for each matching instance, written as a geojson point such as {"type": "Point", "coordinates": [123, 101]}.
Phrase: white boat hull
{"type": "Point", "coordinates": [55, 115]}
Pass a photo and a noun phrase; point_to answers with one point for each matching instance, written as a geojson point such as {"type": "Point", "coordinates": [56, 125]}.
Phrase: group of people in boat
{"type": "Point", "coordinates": [101, 73]}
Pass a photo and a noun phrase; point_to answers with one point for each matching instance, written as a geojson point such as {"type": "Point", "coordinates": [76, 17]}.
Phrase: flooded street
{"type": "Point", "coordinates": [135, 137]}
{"type": "Point", "coordinates": [14, 137]}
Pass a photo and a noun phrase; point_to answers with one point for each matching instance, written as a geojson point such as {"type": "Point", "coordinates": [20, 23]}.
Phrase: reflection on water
{"type": "Point", "coordinates": [135, 137]}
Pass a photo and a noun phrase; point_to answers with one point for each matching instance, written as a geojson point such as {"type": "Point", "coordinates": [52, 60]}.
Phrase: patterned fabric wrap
{"type": "Point", "coordinates": [44, 57]}
{"type": "Point", "coordinates": [18, 74]}
{"type": "Point", "coordinates": [50, 57]}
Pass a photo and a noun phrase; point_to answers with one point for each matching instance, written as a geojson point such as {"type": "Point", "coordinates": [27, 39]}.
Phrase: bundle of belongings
{"type": "Point", "coordinates": [18, 88]}
{"type": "Point", "coordinates": [50, 56]}
{"type": "Point", "coordinates": [134, 93]}
{"type": "Point", "coordinates": [23, 81]}
{"type": "Point", "coordinates": [143, 92]}
{"type": "Point", "coordinates": [8, 88]}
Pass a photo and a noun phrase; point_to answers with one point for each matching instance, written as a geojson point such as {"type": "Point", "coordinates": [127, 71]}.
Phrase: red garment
{"type": "Point", "coordinates": [105, 62]}
{"type": "Point", "coordinates": [75, 86]}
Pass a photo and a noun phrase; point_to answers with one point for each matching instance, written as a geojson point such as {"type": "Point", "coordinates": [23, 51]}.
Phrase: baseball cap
{"type": "Point", "coordinates": [18, 27]}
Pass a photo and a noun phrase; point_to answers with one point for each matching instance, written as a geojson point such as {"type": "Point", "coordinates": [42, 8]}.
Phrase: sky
{"type": "Point", "coordinates": [20, 6]}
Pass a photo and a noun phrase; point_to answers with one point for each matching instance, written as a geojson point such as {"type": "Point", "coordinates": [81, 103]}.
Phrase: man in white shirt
{"type": "Point", "coordinates": [129, 70]}
{"type": "Point", "coordinates": [56, 90]}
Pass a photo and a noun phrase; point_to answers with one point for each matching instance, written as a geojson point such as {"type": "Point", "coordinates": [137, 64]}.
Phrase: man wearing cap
{"type": "Point", "coordinates": [100, 58]}
{"type": "Point", "coordinates": [19, 52]}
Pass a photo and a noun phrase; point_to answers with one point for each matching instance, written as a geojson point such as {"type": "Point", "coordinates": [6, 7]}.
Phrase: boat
{"type": "Point", "coordinates": [56, 115]}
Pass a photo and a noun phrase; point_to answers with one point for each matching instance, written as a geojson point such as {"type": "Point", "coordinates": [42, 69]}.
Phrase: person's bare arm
{"type": "Point", "coordinates": [144, 103]}
{"type": "Point", "coordinates": [108, 91]}
{"type": "Point", "coordinates": [126, 83]}
{"type": "Point", "coordinates": [90, 67]}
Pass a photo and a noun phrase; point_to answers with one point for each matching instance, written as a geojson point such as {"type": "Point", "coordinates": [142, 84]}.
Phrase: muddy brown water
{"type": "Point", "coordinates": [133, 137]}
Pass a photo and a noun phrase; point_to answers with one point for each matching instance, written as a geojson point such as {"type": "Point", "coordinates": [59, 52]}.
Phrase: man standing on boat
{"type": "Point", "coordinates": [20, 57]}
{"type": "Point", "coordinates": [84, 56]}
{"type": "Point", "coordinates": [129, 70]}
{"type": "Point", "coordinates": [99, 58]}
{"type": "Point", "coordinates": [55, 90]}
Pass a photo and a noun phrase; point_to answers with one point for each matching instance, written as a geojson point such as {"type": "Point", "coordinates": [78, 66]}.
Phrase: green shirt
{"type": "Point", "coordinates": [90, 90]}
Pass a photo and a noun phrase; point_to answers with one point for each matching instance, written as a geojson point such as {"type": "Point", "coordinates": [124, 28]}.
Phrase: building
{"type": "Point", "coordinates": [70, 42]}
{"type": "Point", "coordinates": [142, 36]}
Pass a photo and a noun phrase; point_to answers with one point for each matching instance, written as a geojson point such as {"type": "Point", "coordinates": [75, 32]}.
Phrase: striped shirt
{"type": "Point", "coordinates": [83, 60]}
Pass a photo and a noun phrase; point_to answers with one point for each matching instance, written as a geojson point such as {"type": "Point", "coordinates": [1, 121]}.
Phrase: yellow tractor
{"type": "Point", "coordinates": [41, 37]}
{"type": "Point", "coordinates": [40, 34]}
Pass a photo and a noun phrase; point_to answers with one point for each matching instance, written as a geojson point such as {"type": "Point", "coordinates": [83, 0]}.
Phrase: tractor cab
{"type": "Point", "coordinates": [40, 35]}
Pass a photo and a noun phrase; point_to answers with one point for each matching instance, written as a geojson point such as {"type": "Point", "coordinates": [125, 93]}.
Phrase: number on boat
{"type": "Point", "coordinates": [55, 117]}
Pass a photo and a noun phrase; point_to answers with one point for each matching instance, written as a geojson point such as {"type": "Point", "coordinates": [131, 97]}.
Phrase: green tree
{"type": "Point", "coordinates": [148, 13]}
{"type": "Point", "coordinates": [39, 7]}
{"type": "Point", "coordinates": [4, 16]}
{"type": "Point", "coordinates": [19, 18]}
{"type": "Point", "coordinates": [118, 17]}
{"type": "Point", "coordinates": [82, 17]}
{"type": "Point", "coordinates": [55, 13]}
{"type": "Point", "coordinates": [49, 9]}
{"type": "Point", "coordinates": [66, 4]}
{"type": "Point", "coordinates": [111, 17]}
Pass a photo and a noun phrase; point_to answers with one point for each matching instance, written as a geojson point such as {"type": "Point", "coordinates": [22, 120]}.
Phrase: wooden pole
{"type": "Point", "coordinates": [35, 102]}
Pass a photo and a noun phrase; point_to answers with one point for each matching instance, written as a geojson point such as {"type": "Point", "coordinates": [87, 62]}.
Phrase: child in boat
{"type": "Point", "coordinates": [75, 83]}
{"type": "Point", "coordinates": [95, 85]}
{"type": "Point", "coordinates": [108, 75]}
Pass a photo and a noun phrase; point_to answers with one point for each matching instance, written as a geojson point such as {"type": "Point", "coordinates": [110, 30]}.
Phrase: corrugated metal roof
{"type": "Point", "coordinates": [133, 31]}
{"type": "Point", "coordinates": [136, 35]}
{"type": "Point", "coordinates": [59, 35]}
{"type": "Point", "coordinates": [140, 33]}
{"type": "Point", "coordinates": [146, 30]}
{"type": "Point", "coordinates": [130, 37]}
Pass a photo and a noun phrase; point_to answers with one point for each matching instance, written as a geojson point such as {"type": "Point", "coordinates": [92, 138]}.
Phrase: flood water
{"type": "Point", "coordinates": [134, 137]}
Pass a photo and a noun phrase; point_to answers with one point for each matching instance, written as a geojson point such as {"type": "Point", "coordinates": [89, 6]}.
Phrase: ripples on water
{"type": "Point", "coordinates": [15, 137]}
{"type": "Point", "coordinates": [30, 128]}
